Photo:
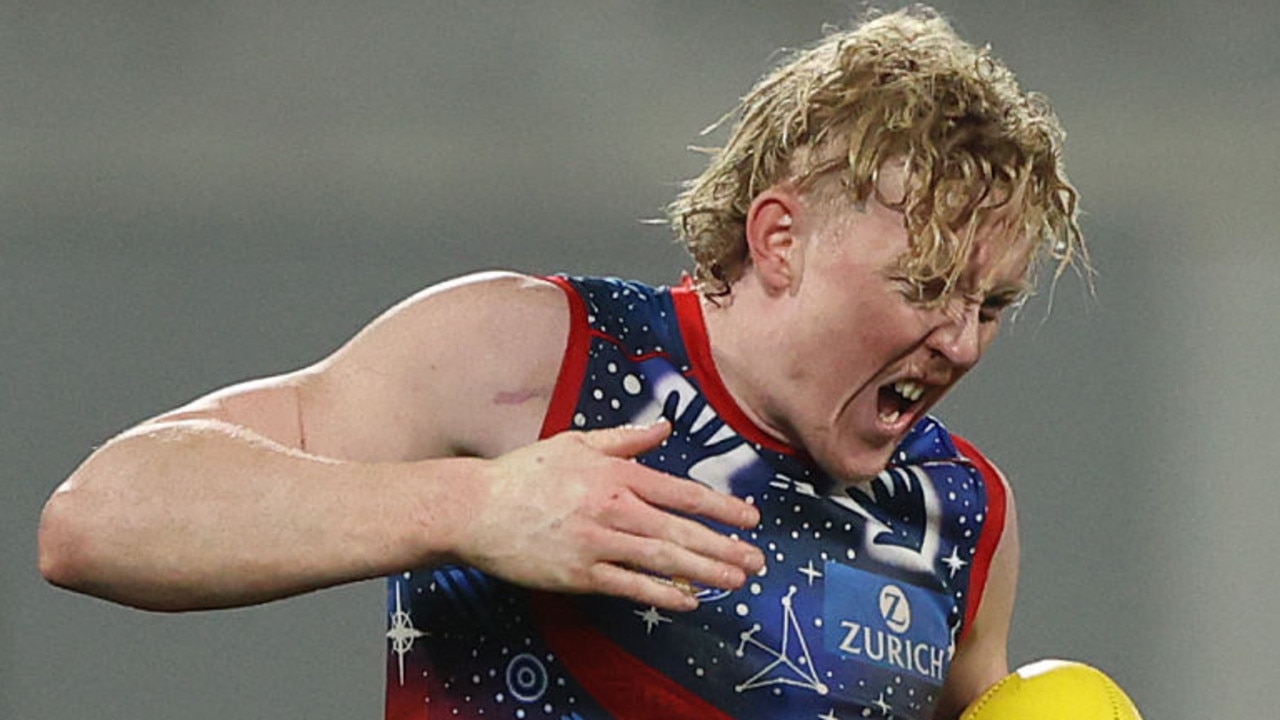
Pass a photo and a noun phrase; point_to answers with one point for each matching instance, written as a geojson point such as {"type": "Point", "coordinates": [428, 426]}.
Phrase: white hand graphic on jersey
{"type": "Point", "coordinates": [702, 446]}
{"type": "Point", "coordinates": [910, 544]}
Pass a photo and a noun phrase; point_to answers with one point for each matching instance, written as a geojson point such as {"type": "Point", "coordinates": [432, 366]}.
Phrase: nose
{"type": "Point", "coordinates": [958, 337]}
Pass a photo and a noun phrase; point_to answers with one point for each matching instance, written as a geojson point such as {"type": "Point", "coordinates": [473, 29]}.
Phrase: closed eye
{"type": "Point", "coordinates": [994, 306]}
{"type": "Point", "coordinates": [927, 293]}
{"type": "Point", "coordinates": [936, 292]}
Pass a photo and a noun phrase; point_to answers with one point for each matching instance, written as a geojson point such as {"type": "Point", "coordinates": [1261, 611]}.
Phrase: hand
{"type": "Point", "coordinates": [573, 513]}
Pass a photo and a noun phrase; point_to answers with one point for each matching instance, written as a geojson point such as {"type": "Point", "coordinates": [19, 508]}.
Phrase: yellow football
{"type": "Point", "coordinates": [1054, 690]}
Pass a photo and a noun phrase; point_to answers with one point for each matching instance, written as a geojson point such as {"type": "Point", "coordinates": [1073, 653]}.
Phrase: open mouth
{"type": "Point", "coordinates": [898, 399]}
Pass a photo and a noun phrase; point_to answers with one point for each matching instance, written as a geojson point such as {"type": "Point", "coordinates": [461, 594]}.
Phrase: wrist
{"type": "Point", "coordinates": [435, 503]}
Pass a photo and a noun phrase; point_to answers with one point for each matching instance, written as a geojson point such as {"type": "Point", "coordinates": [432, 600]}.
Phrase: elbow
{"type": "Point", "coordinates": [91, 540]}
{"type": "Point", "coordinates": [74, 545]}
{"type": "Point", "coordinates": [71, 555]}
{"type": "Point", "coordinates": [80, 548]}
{"type": "Point", "coordinates": [62, 545]}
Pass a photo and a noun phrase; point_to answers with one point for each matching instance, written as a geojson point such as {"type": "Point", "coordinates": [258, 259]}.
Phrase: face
{"type": "Point", "coordinates": [867, 352]}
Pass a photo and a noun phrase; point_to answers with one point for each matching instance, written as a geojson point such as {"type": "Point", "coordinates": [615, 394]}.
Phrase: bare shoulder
{"type": "Point", "coordinates": [482, 308]}
{"type": "Point", "coordinates": [482, 293]}
{"type": "Point", "coordinates": [464, 367]}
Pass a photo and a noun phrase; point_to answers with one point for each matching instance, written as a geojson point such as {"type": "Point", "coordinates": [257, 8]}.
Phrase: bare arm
{"type": "Point", "coordinates": [202, 513]}
{"type": "Point", "coordinates": [290, 483]}
{"type": "Point", "coordinates": [369, 463]}
{"type": "Point", "coordinates": [982, 659]}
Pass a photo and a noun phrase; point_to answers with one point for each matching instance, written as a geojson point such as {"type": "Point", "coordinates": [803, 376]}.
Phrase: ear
{"type": "Point", "coordinates": [773, 241]}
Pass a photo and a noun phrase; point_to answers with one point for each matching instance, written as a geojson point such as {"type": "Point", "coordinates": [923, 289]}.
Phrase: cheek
{"type": "Point", "coordinates": [865, 345]}
{"type": "Point", "coordinates": [857, 335]}
{"type": "Point", "coordinates": [903, 325]}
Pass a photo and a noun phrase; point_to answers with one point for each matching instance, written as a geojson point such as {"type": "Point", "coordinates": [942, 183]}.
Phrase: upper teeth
{"type": "Point", "coordinates": [909, 389]}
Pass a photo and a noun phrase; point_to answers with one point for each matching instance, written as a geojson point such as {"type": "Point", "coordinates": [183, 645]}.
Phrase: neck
{"type": "Point", "coordinates": [744, 348]}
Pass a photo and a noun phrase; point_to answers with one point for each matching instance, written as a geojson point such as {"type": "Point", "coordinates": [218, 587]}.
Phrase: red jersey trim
{"type": "Point", "coordinates": [402, 701]}
{"type": "Point", "coordinates": [564, 398]}
{"type": "Point", "coordinates": [992, 529]}
{"type": "Point", "coordinates": [693, 330]}
{"type": "Point", "coordinates": [621, 683]}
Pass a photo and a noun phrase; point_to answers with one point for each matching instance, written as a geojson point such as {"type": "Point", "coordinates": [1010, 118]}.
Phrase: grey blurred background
{"type": "Point", "coordinates": [196, 193]}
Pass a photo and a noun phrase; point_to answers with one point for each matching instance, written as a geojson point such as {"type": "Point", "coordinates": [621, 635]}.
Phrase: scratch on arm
{"type": "Point", "coordinates": [519, 397]}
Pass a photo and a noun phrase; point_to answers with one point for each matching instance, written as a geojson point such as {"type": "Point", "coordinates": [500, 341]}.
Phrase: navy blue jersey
{"type": "Point", "coordinates": [866, 591]}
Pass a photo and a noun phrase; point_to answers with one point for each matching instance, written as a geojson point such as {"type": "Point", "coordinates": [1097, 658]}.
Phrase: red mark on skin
{"type": "Point", "coordinates": [517, 397]}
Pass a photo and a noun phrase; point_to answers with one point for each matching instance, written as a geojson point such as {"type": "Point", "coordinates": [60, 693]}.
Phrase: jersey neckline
{"type": "Point", "coordinates": [693, 331]}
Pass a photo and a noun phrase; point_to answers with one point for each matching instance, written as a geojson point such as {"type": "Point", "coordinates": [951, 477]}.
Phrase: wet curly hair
{"type": "Point", "coordinates": [900, 86]}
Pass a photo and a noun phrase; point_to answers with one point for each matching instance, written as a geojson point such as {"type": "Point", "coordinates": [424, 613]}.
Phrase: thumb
{"type": "Point", "coordinates": [626, 441]}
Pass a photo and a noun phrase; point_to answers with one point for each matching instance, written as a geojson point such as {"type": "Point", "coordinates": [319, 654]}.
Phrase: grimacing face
{"type": "Point", "coordinates": [869, 352]}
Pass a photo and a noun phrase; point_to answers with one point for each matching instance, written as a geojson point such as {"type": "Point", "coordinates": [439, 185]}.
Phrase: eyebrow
{"type": "Point", "coordinates": [1009, 293]}
{"type": "Point", "coordinates": [1021, 287]}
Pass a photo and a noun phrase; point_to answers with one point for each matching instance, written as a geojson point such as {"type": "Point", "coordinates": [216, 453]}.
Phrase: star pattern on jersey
{"type": "Point", "coordinates": [885, 707]}
{"type": "Point", "coordinates": [810, 572]}
{"type": "Point", "coordinates": [402, 633]}
{"type": "Point", "coordinates": [652, 618]}
{"type": "Point", "coordinates": [953, 561]}
{"type": "Point", "coordinates": [486, 651]}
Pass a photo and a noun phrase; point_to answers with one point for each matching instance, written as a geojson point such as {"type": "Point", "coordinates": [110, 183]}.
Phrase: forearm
{"type": "Point", "coordinates": [194, 515]}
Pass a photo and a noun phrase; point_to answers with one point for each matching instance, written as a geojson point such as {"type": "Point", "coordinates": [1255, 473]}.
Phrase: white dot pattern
{"type": "Point", "coordinates": [483, 651]}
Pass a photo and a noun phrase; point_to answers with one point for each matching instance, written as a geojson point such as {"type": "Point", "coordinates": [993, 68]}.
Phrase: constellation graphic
{"type": "Point", "coordinates": [402, 633]}
{"type": "Point", "coordinates": [802, 672]}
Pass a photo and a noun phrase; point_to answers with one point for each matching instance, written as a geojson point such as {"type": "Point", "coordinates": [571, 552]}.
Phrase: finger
{"type": "Point", "coordinates": [694, 498]}
{"type": "Point", "coordinates": [715, 558]}
{"type": "Point", "coordinates": [645, 589]}
{"type": "Point", "coordinates": [668, 560]}
{"type": "Point", "coordinates": [625, 441]}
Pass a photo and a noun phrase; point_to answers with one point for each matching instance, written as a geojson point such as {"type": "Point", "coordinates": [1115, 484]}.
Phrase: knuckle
{"type": "Point", "coordinates": [693, 497]}
{"type": "Point", "coordinates": [690, 534]}
{"type": "Point", "coordinates": [597, 576]}
{"type": "Point", "coordinates": [651, 553]}
{"type": "Point", "coordinates": [572, 439]}
{"type": "Point", "coordinates": [612, 504]}
{"type": "Point", "coordinates": [657, 555]}
{"type": "Point", "coordinates": [573, 576]}
{"type": "Point", "coordinates": [590, 537]}
{"type": "Point", "coordinates": [684, 495]}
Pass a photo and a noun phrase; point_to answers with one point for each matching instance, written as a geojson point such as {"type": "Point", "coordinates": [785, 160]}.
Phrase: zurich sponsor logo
{"type": "Point", "coordinates": [898, 627]}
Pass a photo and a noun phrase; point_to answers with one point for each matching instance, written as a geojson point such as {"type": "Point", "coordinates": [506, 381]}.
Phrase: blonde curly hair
{"type": "Point", "coordinates": [899, 86]}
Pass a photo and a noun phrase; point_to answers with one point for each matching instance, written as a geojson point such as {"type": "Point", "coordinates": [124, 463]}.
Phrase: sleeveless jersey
{"type": "Point", "coordinates": [865, 593]}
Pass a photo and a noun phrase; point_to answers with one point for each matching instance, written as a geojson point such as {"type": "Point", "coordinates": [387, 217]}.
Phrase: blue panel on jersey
{"type": "Point", "coordinates": [889, 624]}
